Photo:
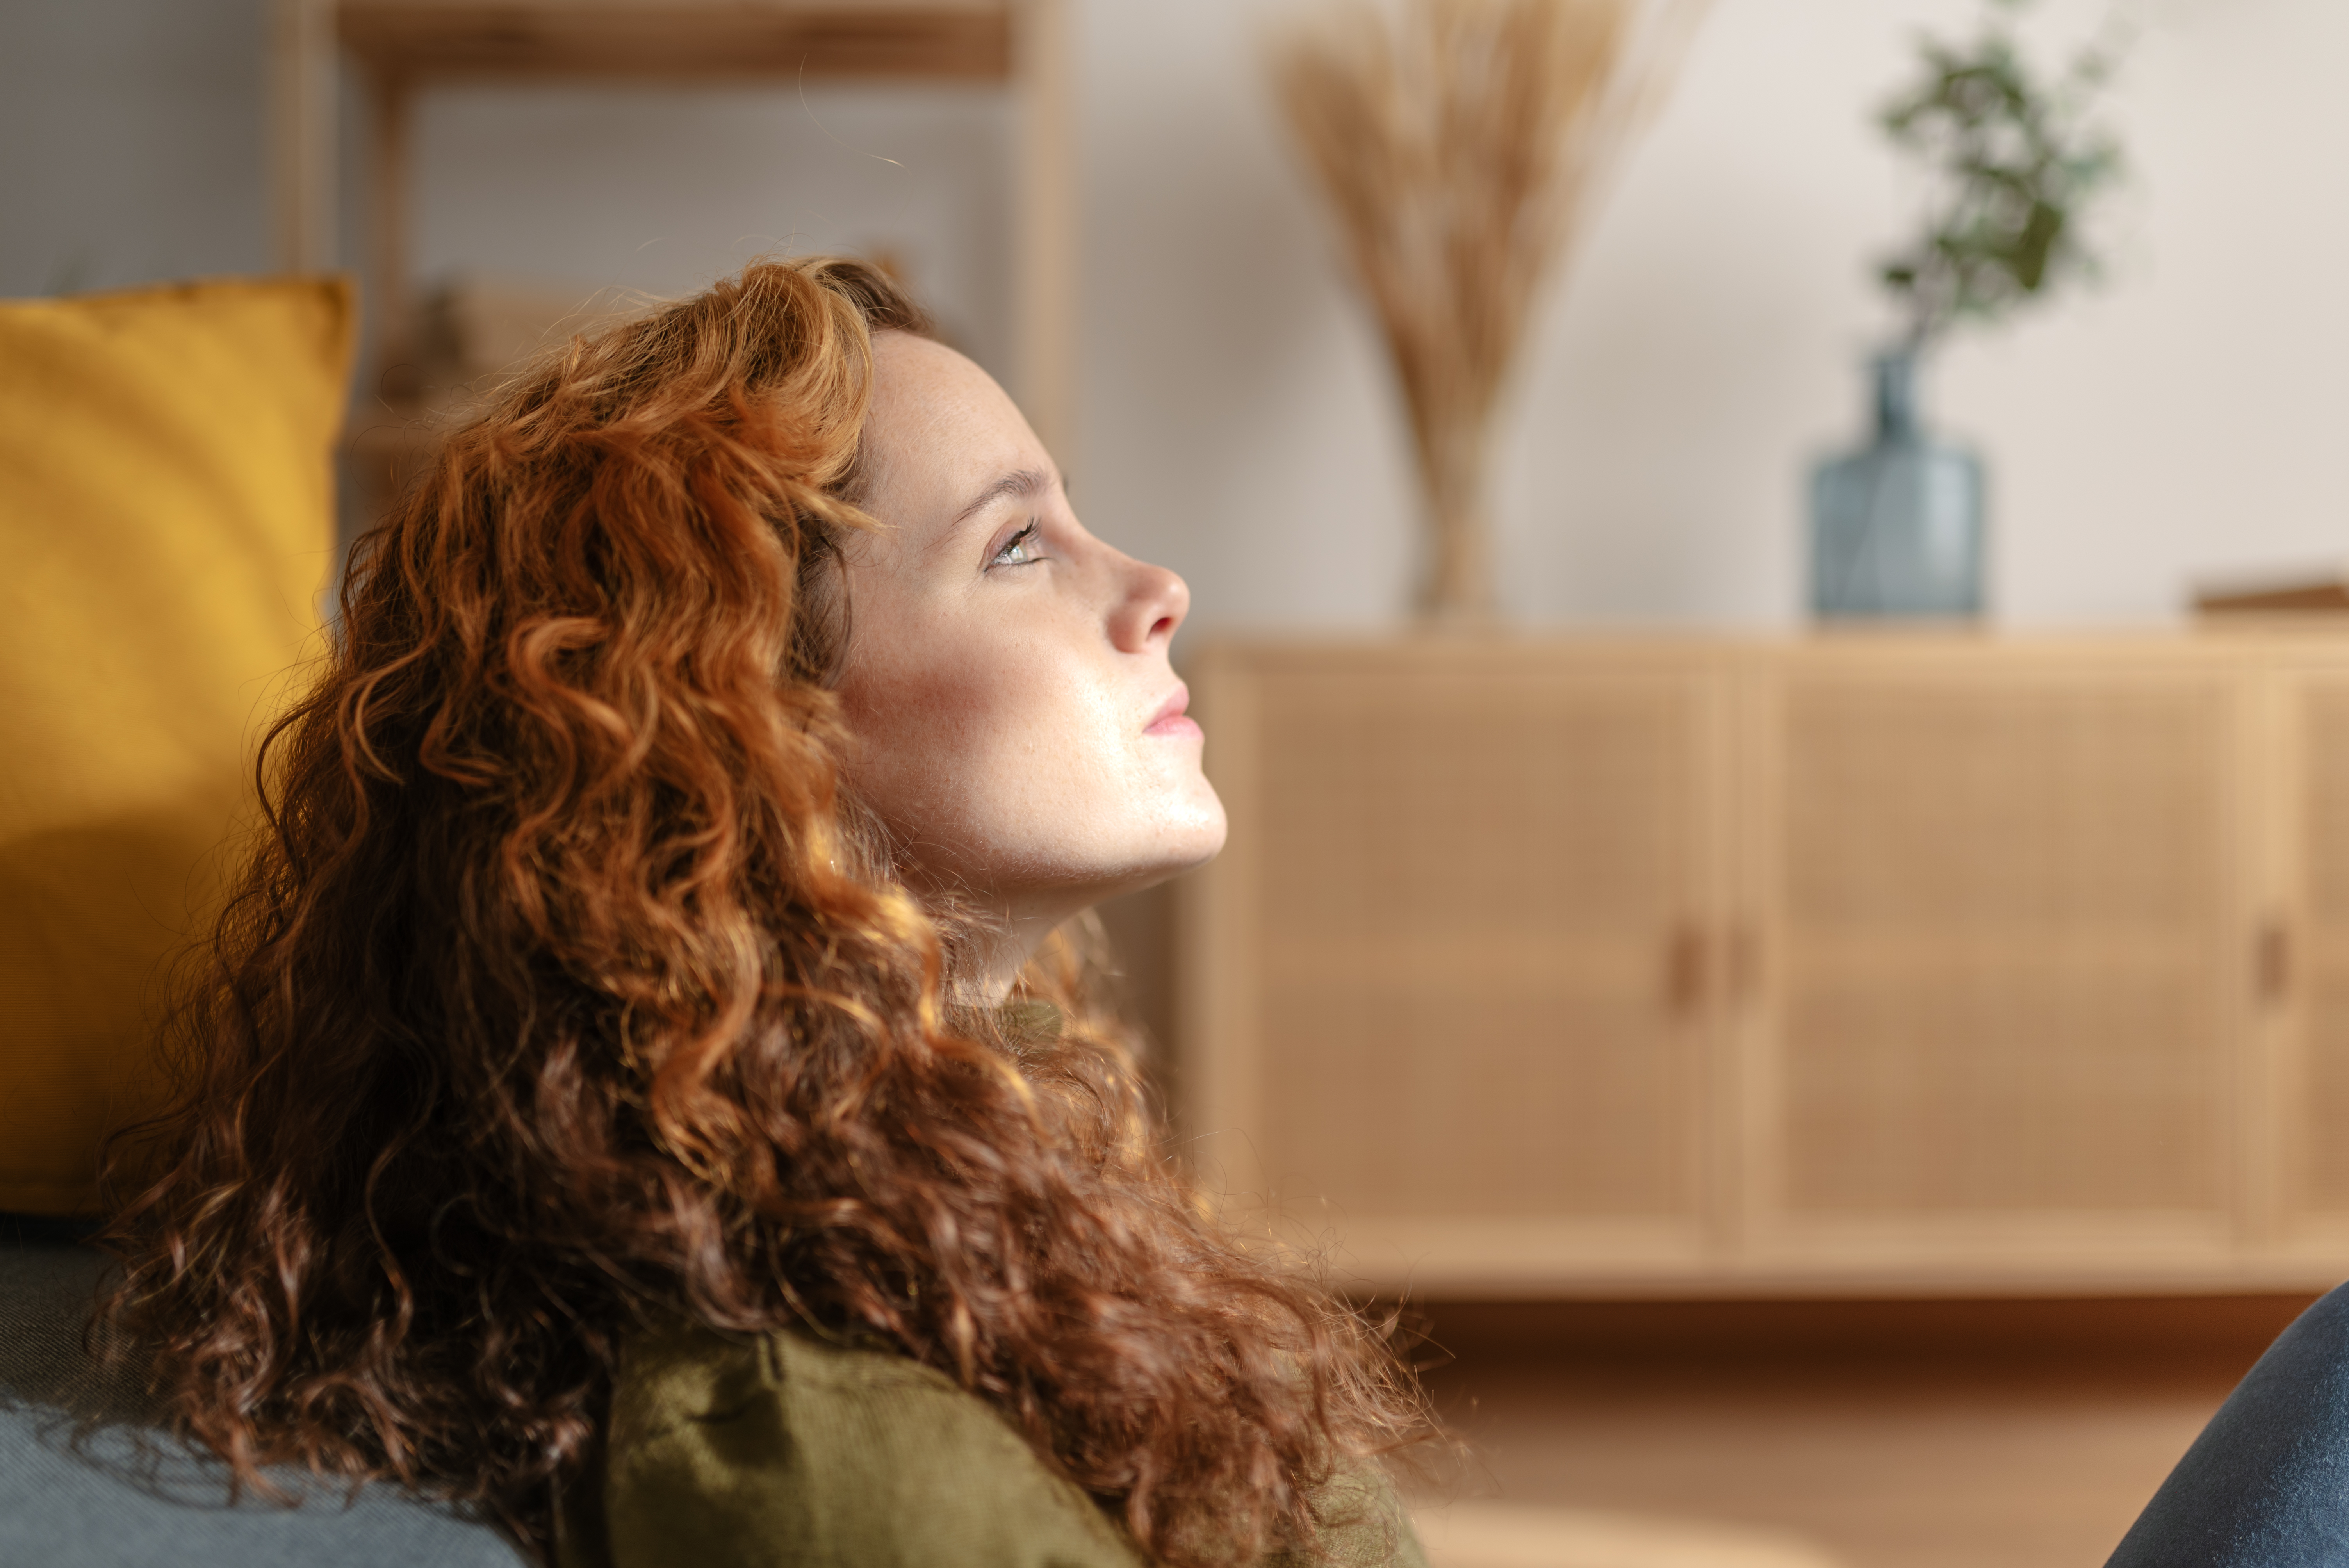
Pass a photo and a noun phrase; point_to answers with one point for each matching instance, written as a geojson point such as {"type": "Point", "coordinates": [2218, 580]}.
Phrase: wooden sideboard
{"type": "Point", "coordinates": [1867, 964]}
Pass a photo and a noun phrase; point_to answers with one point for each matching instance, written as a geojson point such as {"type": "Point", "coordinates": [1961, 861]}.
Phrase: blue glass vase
{"type": "Point", "coordinates": [1897, 527]}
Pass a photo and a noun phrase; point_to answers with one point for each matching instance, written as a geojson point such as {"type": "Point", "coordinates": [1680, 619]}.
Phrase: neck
{"type": "Point", "coordinates": [994, 938]}
{"type": "Point", "coordinates": [992, 941]}
{"type": "Point", "coordinates": [1895, 393]}
{"type": "Point", "coordinates": [996, 954]}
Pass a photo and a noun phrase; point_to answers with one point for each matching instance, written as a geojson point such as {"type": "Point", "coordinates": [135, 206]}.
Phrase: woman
{"type": "Point", "coordinates": [644, 1085]}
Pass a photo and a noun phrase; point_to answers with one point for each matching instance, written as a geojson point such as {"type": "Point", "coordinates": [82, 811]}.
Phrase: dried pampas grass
{"type": "Point", "coordinates": [1459, 141]}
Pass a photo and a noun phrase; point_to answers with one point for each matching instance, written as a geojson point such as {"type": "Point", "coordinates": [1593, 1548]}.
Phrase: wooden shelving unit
{"type": "Point", "coordinates": [402, 44]}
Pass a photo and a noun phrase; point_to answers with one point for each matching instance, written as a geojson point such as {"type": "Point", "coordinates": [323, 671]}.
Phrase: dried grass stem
{"type": "Point", "coordinates": [1458, 141]}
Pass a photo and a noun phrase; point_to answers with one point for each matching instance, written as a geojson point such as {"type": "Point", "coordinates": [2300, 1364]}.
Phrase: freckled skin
{"type": "Point", "coordinates": [1003, 698]}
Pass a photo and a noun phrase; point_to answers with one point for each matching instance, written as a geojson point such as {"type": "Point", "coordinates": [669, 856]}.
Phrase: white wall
{"type": "Point", "coordinates": [2182, 419]}
{"type": "Point", "coordinates": [1237, 421]}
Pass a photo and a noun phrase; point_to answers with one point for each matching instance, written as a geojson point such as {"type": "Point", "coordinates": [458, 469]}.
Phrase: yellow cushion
{"type": "Point", "coordinates": [166, 527]}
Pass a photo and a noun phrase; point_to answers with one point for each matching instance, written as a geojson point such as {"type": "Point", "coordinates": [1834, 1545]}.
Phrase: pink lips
{"type": "Point", "coordinates": [1170, 719]}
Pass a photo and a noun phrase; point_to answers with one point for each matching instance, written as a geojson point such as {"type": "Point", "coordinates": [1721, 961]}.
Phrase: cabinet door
{"type": "Point", "coordinates": [1450, 1003]}
{"type": "Point", "coordinates": [2306, 962]}
{"type": "Point", "coordinates": [2001, 1023]}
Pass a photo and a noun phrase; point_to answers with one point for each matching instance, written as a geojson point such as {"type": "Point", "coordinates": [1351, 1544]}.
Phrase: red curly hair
{"type": "Point", "coordinates": [566, 984]}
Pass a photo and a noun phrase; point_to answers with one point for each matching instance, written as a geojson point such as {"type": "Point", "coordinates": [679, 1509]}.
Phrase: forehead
{"type": "Point", "coordinates": [939, 427]}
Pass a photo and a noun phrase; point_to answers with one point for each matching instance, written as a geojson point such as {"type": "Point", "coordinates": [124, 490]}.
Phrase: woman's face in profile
{"type": "Point", "coordinates": [1020, 729]}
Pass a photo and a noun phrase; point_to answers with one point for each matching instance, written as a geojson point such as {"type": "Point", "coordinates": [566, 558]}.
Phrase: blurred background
{"type": "Point", "coordinates": [1991, 1340]}
{"type": "Point", "coordinates": [1236, 420]}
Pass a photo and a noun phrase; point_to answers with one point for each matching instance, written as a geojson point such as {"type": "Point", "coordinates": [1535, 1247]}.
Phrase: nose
{"type": "Point", "coordinates": [1152, 603]}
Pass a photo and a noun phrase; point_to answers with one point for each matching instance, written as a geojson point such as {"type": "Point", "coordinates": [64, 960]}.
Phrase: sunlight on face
{"type": "Point", "coordinates": [1020, 729]}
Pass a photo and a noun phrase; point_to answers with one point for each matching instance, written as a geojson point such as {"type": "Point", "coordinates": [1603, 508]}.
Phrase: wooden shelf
{"type": "Point", "coordinates": [404, 45]}
{"type": "Point", "coordinates": [648, 39]}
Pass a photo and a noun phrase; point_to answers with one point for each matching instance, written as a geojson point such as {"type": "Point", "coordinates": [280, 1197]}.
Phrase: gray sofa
{"type": "Point", "coordinates": [85, 1483]}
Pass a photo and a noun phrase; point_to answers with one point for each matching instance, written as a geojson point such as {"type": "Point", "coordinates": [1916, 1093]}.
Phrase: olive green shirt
{"type": "Point", "coordinates": [788, 1452]}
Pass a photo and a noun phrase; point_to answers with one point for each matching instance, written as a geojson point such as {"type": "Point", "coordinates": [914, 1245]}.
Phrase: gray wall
{"type": "Point", "coordinates": [132, 141]}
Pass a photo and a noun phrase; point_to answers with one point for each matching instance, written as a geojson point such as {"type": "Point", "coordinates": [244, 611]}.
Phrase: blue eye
{"type": "Point", "coordinates": [1019, 550]}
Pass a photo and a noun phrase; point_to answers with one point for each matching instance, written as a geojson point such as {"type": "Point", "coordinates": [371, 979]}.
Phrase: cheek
{"type": "Point", "coordinates": [1009, 756]}
{"type": "Point", "coordinates": [943, 727]}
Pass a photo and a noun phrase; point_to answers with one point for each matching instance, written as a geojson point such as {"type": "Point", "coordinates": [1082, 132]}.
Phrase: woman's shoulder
{"type": "Point", "coordinates": [789, 1450]}
{"type": "Point", "coordinates": [784, 1450]}
{"type": "Point", "coordinates": [677, 1375]}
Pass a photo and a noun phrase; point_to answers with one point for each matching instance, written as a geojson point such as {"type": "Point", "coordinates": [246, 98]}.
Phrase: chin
{"type": "Point", "coordinates": [1176, 848]}
{"type": "Point", "coordinates": [1200, 842]}
{"type": "Point", "coordinates": [1196, 828]}
{"type": "Point", "coordinates": [1209, 843]}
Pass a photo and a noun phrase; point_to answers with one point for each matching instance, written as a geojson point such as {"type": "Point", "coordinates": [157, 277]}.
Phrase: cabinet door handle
{"type": "Point", "coordinates": [1684, 968]}
{"type": "Point", "coordinates": [2272, 963]}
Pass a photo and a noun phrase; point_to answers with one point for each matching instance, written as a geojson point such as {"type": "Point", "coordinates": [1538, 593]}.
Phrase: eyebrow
{"type": "Point", "coordinates": [1019, 483]}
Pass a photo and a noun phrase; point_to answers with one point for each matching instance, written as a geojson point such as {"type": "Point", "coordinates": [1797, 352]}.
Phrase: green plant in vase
{"type": "Point", "coordinates": [2013, 159]}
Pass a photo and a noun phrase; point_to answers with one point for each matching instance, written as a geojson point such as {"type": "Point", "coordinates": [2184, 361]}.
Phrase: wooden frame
{"type": "Point", "coordinates": [2253, 713]}
{"type": "Point", "coordinates": [402, 43]}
